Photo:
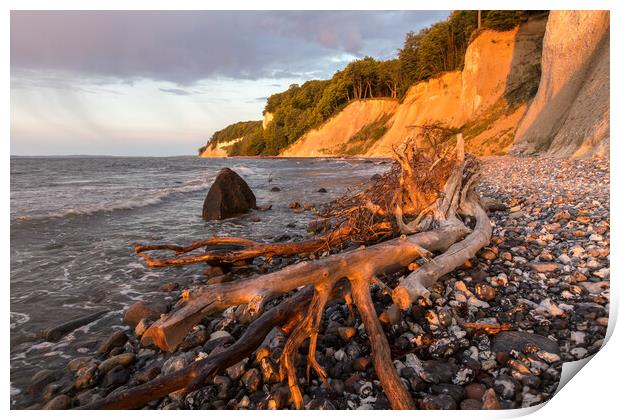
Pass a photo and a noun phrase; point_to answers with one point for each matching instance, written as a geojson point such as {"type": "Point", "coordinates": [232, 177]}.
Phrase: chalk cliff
{"type": "Point", "coordinates": [487, 98]}
{"type": "Point", "coordinates": [338, 135]}
{"type": "Point", "coordinates": [569, 116]}
{"type": "Point", "coordinates": [219, 149]}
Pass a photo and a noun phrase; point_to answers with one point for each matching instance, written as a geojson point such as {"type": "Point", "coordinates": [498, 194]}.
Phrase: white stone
{"type": "Point", "coordinates": [564, 259]}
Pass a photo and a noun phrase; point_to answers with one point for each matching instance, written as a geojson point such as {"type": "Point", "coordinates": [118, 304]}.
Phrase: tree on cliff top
{"type": "Point", "coordinates": [425, 54]}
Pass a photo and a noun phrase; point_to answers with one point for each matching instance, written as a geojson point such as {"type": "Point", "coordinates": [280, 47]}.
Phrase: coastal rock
{"type": "Point", "coordinates": [41, 379]}
{"type": "Point", "coordinates": [475, 391]}
{"type": "Point", "coordinates": [117, 376]}
{"type": "Point", "coordinates": [79, 362]}
{"type": "Point", "coordinates": [506, 341]}
{"type": "Point", "coordinates": [114, 361]}
{"type": "Point", "coordinates": [194, 339]}
{"type": "Point", "coordinates": [148, 374]}
{"type": "Point", "coordinates": [141, 310]}
{"type": "Point", "coordinates": [438, 402]}
{"type": "Point", "coordinates": [216, 339]}
{"type": "Point", "coordinates": [251, 380]}
{"type": "Point", "coordinates": [229, 196]}
{"type": "Point", "coordinates": [60, 402]}
{"type": "Point", "coordinates": [470, 404]}
{"type": "Point", "coordinates": [117, 339]}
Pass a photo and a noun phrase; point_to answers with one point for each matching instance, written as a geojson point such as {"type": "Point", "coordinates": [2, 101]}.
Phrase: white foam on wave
{"type": "Point", "coordinates": [128, 204]}
{"type": "Point", "coordinates": [243, 170]}
{"type": "Point", "coordinates": [18, 318]}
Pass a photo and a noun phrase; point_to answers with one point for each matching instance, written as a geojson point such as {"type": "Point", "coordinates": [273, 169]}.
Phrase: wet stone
{"type": "Point", "coordinates": [79, 362]}
{"type": "Point", "coordinates": [489, 401]}
{"type": "Point", "coordinates": [251, 380]}
{"type": "Point", "coordinates": [507, 341]}
{"type": "Point", "coordinates": [346, 333]}
{"type": "Point", "coordinates": [176, 363]}
{"type": "Point", "coordinates": [86, 377]}
{"type": "Point", "coordinates": [237, 370]}
{"type": "Point", "coordinates": [194, 339]}
{"type": "Point", "coordinates": [117, 339]}
{"type": "Point", "coordinates": [41, 379]}
{"type": "Point", "coordinates": [506, 386]}
{"type": "Point", "coordinates": [60, 402]}
{"type": "Point", "coordinates": [120, 360]}
{"type": "Point", "coordinates": [454, 391]}
{"type": "Point", "coordinates": [169, 287]}
{"type": "Point", "coordinates": [115, 377]}
{"type": "Point", "coordinates": [438, 402]}
{"type": "Point", "coordinates": [470, 404]}
{"type": "Point", "coordinates": [475, 391]}
{"type": "Point", "coordinates": [216, 339]}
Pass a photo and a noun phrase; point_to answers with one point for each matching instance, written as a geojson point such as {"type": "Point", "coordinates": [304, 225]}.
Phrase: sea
{"type": "Point", "coordinates": [74, 221]}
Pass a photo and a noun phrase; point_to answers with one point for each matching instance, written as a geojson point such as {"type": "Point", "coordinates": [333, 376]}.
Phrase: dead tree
{"type": "Point", "coordinates": [417, 210]}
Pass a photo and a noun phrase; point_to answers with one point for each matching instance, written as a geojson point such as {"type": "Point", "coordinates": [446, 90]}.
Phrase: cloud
{"type": "Point", "coordinates": [173, 91]}
{"type": "Point", "coordinates": [183, 47]}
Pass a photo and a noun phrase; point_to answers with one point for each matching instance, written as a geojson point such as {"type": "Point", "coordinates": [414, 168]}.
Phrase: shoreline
{"type": "Point", "coordinates": [542, 201]}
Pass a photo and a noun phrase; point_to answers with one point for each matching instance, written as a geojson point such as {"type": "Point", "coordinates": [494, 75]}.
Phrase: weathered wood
{"type": "Point", "coordinates": [386, 257]}
{"type": "Point", "coordinates": [416, 284]}
{"type": "Point", "coordinates": [394, 389]}
{"type": "Point", "coordinates": [318, 244]}
{"type": "Point", "coordinates": [194, 375]}
{"type": "Point", "coordinates": [424, 197]}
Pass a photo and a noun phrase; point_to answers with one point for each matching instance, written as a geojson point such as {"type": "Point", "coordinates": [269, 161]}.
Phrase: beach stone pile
{"type": "Point", "coordinates": [543, 281]}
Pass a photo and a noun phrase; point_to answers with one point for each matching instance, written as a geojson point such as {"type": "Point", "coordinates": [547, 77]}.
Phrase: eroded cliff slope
{"type": "Point", "coordinates": [486, 99]}
{"type": "Point", "coordinates": [350, 132]}
{"type": "Point", "coordinates": [569, 116]}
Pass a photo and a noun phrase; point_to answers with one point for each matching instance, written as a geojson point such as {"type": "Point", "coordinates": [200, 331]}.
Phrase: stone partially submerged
{"type": "Point", "coordinates": [229, 196]}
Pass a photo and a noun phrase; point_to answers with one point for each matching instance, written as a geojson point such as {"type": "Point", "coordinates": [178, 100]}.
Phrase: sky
{"type": "Point", "coordinates": [159, 83]}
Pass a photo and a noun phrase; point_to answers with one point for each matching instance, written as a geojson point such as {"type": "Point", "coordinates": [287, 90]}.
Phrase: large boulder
{"type": "Point", "coordinates": [229, 196]}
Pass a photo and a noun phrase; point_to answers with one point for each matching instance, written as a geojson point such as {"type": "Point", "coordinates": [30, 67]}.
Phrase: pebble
{"type": "Point", "coordinates": [117, 339]}
{"type": "Point", "coordinates": [489, 400]}
{"type": "Point", "coordinates": [60, 402]}
{"type": "Point", "coordinates": [347, 333]}
{"type": "Point", "coordinates": [251, 380]}
{"type": "Point", "coordinates": [475, 391]}
{"type": "Point", "coordinates": [438, 402]}
{"type": "Point", "coordinates": [123, 359]}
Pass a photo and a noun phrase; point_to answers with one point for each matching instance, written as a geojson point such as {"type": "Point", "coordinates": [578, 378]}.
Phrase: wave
{"type": "Point", "coordinates": [18, 318]}
{"type": "Point", "coordinates": [128, 204]}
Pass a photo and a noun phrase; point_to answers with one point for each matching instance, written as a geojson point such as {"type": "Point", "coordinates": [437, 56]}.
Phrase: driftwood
{"type": "Point", "coordinates": [421, 204]}
{"type": "Point", "coordinates": [286, 315]}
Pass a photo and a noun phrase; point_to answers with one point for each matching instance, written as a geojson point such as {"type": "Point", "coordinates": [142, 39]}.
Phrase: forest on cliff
{"type": "Point", "coordinates": [424, 54]}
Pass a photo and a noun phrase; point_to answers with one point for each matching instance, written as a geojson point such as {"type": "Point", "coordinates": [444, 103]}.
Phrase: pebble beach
{"type": "Point", "coordinates": [492, 335]}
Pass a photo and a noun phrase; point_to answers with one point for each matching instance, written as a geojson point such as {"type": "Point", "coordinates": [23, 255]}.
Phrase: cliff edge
{"type": "Point", "coordinates": [569, 116]}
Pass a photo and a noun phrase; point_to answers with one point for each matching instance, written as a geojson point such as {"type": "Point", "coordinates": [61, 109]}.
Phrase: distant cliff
{"type": "Point", "coordinates": [570, 114]}
{"type": "Point", "coordinates": [221, 141]}
{"type": "Point", "coordinates": [541, 87]}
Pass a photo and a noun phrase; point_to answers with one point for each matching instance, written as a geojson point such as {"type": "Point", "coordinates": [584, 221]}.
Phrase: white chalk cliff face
{"type": "Point", "coordinates": [267, 118]}
{"type": "Point", "coordinates": [219, 150]}
{"type": "Point", "coordinates": [495, 63]}
{"type": "Point", "coordinates": [569, 116]}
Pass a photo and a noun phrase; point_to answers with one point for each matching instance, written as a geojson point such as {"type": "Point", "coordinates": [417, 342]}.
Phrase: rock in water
{"type": "Point", "coordinates": [229, 196]}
